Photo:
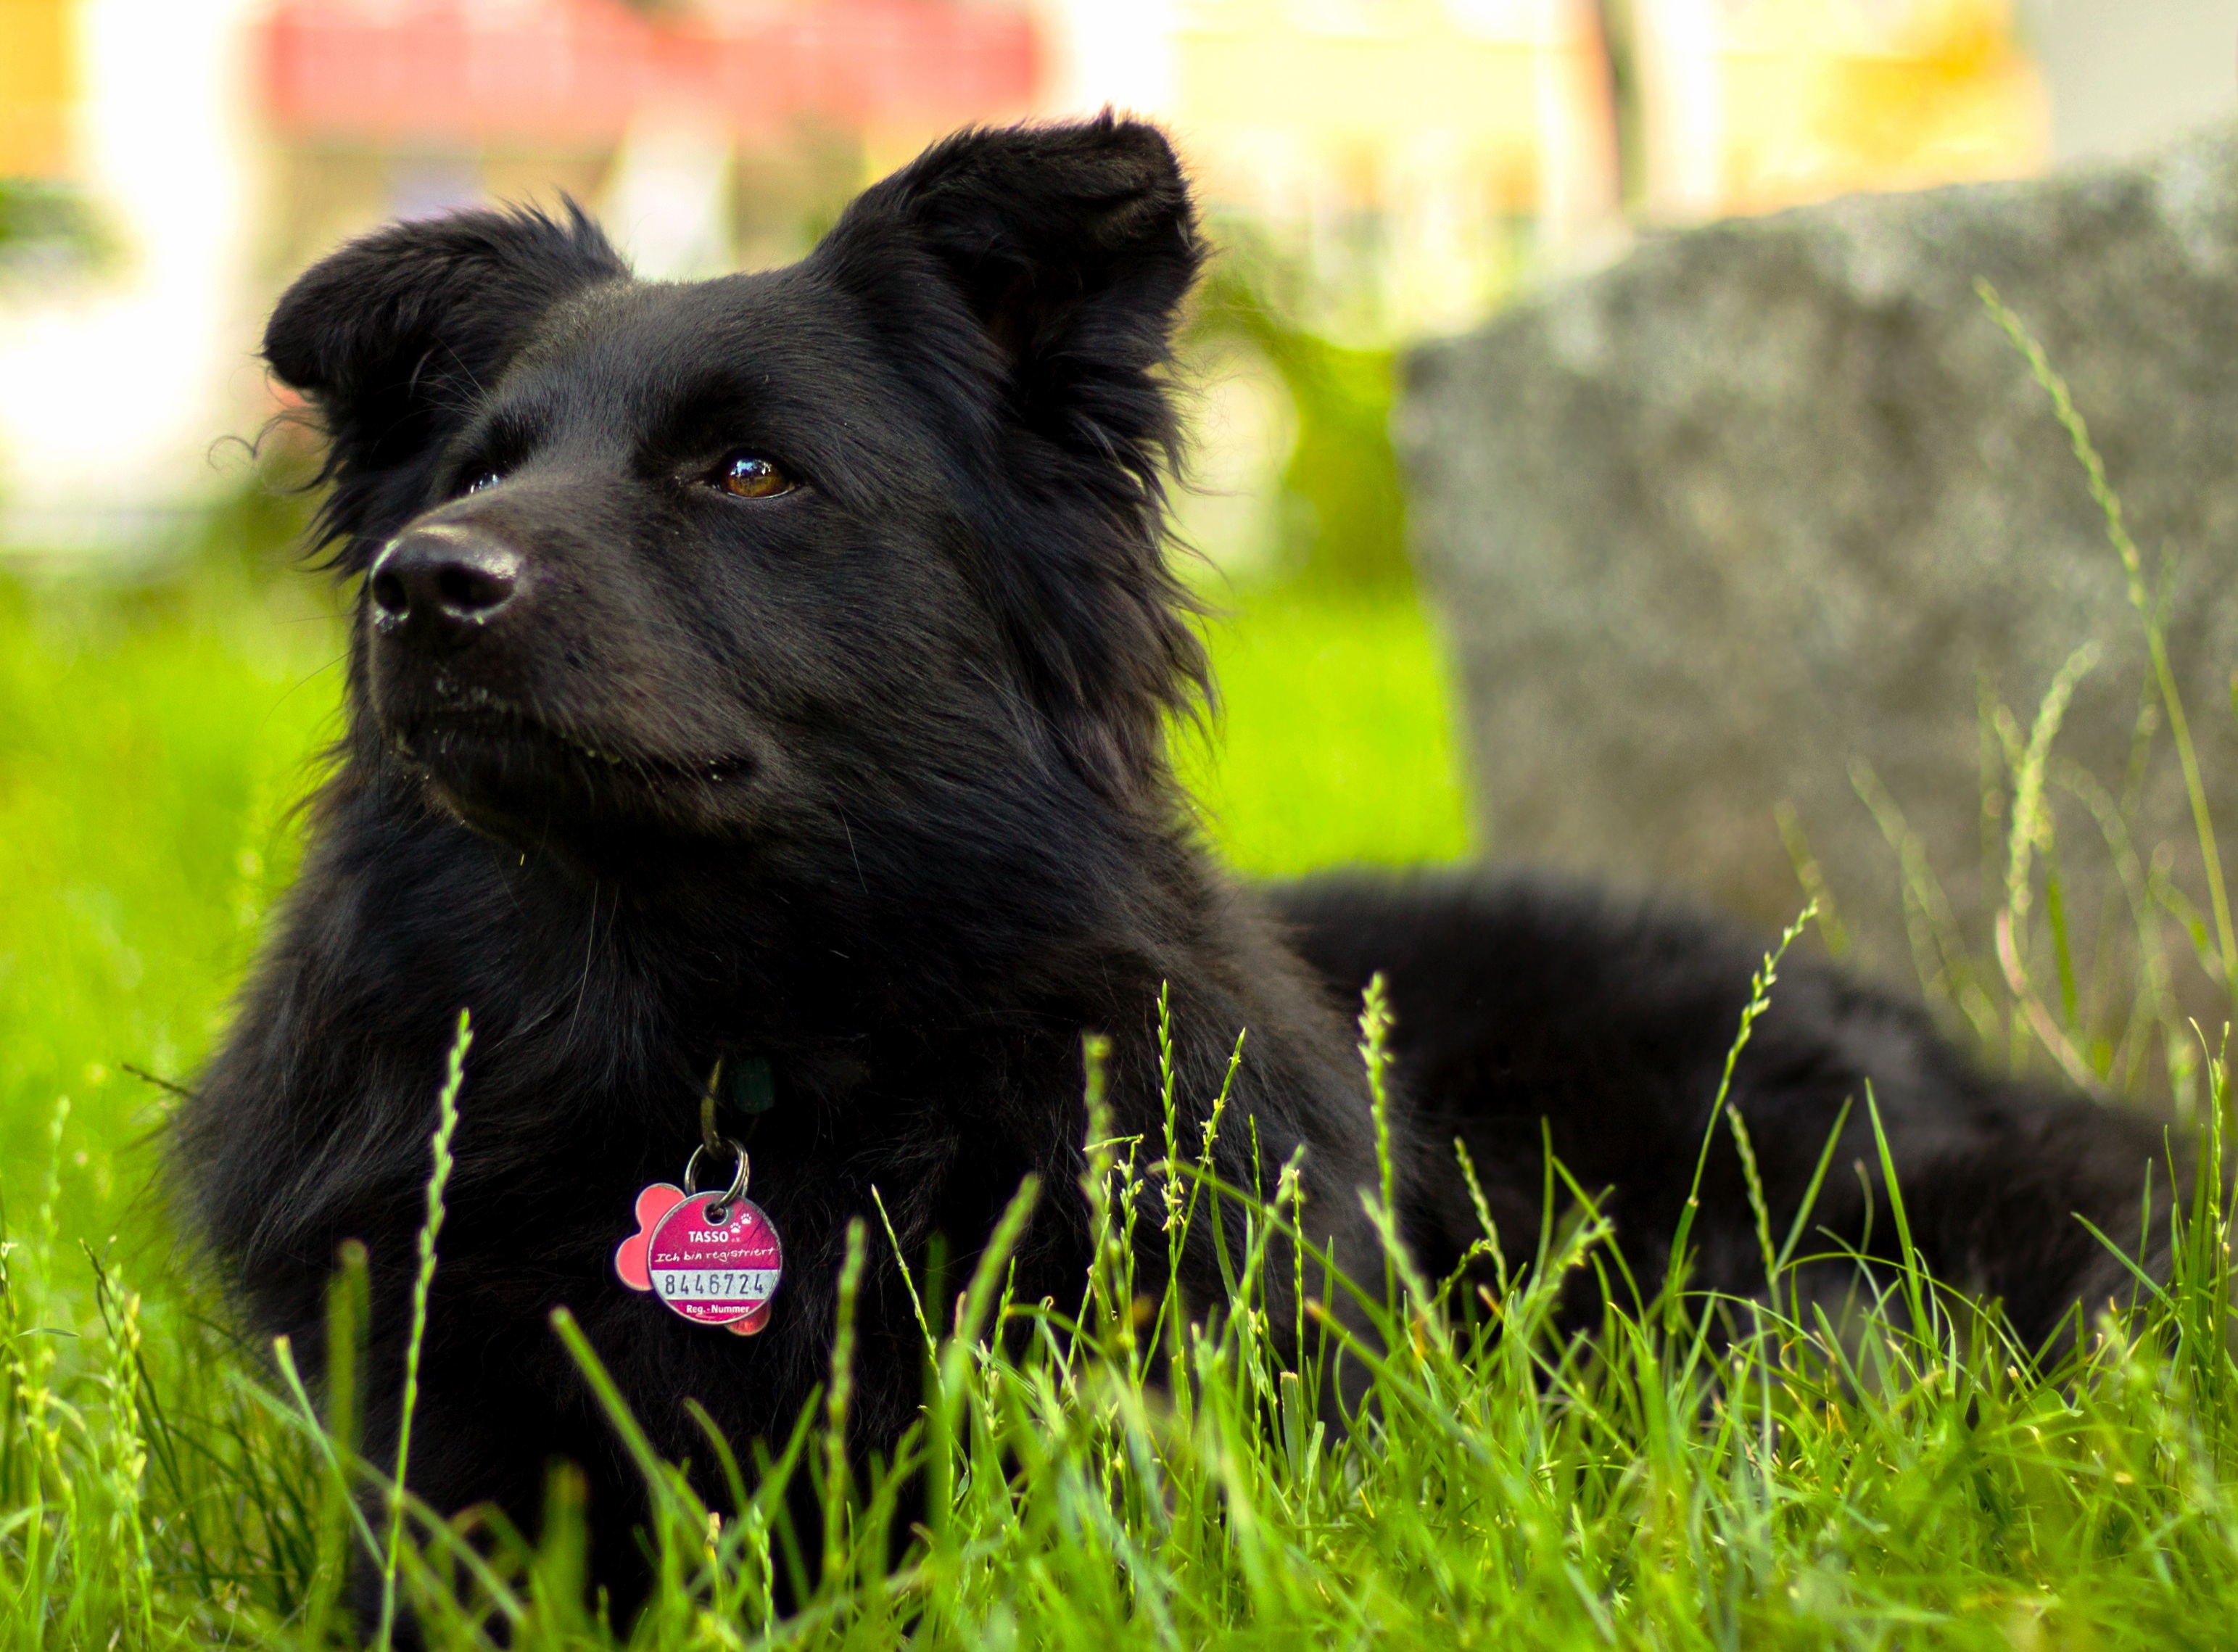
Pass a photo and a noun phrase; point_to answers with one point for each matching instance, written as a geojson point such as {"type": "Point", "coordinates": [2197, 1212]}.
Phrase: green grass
{"type": "Point", "coordinates": [1916, 1480]}
{"type": "Point", "coordinates": [1336, 740]}
{"type": "Point", "coordinates": [149, 742]}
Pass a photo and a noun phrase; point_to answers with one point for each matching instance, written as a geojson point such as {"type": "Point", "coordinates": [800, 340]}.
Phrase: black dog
{"type": "Point", "coordinates": [776, 669]}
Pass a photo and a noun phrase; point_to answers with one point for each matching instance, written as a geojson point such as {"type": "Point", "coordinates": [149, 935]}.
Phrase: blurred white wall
{"type": "Point", "coordinates": [1100, 52]}
{"type": "Point", "coordinates": [112, 391]}
{"type": "Point", "coordinates": [667, 200]}
{"type": "Point", "coordinates": [2126, 74]}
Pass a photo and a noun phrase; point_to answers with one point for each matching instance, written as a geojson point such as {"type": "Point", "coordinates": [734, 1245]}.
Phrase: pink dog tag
{"type": "Point", "coordinates": [712, 1273]}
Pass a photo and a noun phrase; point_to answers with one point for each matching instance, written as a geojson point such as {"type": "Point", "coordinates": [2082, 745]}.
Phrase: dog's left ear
{"type": "Point", "coordinates": [1071, 244]}
{"type": "Point", "coordinates": [1045, 265]}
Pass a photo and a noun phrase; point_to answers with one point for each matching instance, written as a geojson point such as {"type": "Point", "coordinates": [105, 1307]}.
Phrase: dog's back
{"type": "Point", "coordinates": [1521, 1002]}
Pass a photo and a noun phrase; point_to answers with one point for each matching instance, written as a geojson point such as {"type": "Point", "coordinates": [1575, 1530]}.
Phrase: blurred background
{"type": "Point", "coordinates": [1379, 174]}
{"type": "Point", "coordinates": [1395, 168]}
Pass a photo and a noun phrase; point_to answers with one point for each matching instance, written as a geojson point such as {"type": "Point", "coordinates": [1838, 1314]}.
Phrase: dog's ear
{"type": "Point", "coordinates": [395, 338]}
{"type": "Point", "coordinates": [1067, 250]}
{"type": "Point", "coordinates": [1071, 244]}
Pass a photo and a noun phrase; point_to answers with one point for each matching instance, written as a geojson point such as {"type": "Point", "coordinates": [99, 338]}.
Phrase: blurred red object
{"type": "Point", "coordinates": [469, 72]}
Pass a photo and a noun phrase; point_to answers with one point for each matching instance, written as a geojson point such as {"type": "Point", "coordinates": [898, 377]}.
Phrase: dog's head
{"type": "Point", "coordinates": [713, 559]}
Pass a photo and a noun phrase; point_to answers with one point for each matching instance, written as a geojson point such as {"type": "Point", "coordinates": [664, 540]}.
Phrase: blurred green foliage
{"type": "Point", "coordinates": [49, 226]}
{"type": "Point", "coordinates": [1337, 738]}
{"type": "Point", "coordinates": [1341, 513]}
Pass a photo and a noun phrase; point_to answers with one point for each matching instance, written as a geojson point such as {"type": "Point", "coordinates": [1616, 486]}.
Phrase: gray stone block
{"type": "Point", "coordinates": [1776, 492]}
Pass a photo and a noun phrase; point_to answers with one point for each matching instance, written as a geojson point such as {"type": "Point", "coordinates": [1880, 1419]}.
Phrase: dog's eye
{"type": "Point", "coordinates": [487, 479]}
{"type": "Point", "coordinates": [748, 476]}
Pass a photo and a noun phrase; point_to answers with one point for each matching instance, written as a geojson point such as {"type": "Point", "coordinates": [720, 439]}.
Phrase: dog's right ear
{"type": "Point", "coordinates": [1041, 270]}
{"type": "Point", "coordinates": [395, 337]}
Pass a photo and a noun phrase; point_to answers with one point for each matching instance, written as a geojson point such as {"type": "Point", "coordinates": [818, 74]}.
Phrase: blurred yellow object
{"type": "Point", "coordinates": [37, 84]}
{"type": "Point", "coordinates": [1822, 98]}
{"type": "Point", "coordinates": [1406, 139]}
{"type": "Point", "coordinates": [1400, 146]}
{"type": "Point", "coordinates": [1379, 74]}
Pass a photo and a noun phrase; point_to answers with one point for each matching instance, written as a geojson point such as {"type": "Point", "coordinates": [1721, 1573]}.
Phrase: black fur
{"type": "Point", "coordinates": [868, 779]}
{"type": "Point", "coordinates": [1611, 1021]}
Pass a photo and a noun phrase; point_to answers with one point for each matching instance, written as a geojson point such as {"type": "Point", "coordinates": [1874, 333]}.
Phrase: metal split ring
{"type": "Point", "coordinates": [720, 1211]}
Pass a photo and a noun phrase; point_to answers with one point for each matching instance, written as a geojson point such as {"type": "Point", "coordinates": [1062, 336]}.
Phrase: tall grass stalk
{"type": "Point", "coordinates": [2031, 832]}
{"type": "Point", "coordinates": [438, 1179]}
{"type": "Point", "coordinates": [2104, 1005]}
{"type": "Point", "coordinates": [1375, 1056]}
{"type": "Point", "coordinates": [2149, 615]}
{"type": "Point", "coordinates": [1721, 1108]}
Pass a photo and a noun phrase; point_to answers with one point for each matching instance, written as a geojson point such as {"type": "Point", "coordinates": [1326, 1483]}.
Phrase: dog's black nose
{"type": "Point", "coordinates": [436, 588]}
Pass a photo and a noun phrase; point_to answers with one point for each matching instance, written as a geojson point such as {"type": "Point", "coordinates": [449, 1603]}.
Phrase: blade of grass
{"type": "Point", "coordinates": [438, 1177]}
{"type": "Point", "coordinates": [2109, 505]}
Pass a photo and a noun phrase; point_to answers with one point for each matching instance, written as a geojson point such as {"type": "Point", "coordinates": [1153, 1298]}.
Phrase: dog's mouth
{"type": "Point", "coordinates": [494, 760]}
{"type": "Point", "coordinates": [436, 737]}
